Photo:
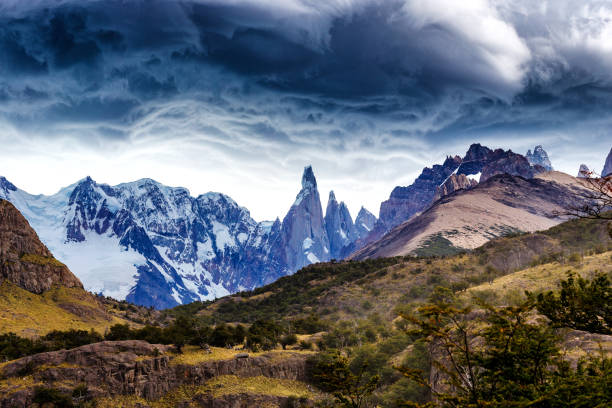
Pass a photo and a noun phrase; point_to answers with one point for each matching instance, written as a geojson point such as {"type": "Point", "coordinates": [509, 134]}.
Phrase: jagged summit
{"type": "Point", "coordinates": [584, 171]}
{"type": "Point", "coordinates": [364, 223]}
{"type": "Point", "coordinates": [339, 226]}
{"type": "Point", "coordinates": [159, 246]}
{"type": "Point", "coordinates": [6, 185]}
{"type": "Point", "coordinates": [539, 157]}
{"type": "Point", "coordinates": [479, 161]}
{"type": "Point", "coordinates": [308, 178]}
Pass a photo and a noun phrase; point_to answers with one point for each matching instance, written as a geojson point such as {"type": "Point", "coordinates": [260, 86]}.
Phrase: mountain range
{"type": "Point", "coordinates": [158, 246]}
{"type": "Point", "coordinates": [155, 245]}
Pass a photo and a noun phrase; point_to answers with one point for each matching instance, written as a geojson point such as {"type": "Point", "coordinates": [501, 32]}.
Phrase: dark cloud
{"type": "Point", "coordinates": [15, 59]}
{"type": "Point", "coordinates": [90, 110]}
{"type": "Point", "coordinates": [368, 70]}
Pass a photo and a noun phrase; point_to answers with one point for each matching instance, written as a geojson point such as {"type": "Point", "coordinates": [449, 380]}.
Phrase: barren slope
{"type": "Point", "coordinates": [469, 218]}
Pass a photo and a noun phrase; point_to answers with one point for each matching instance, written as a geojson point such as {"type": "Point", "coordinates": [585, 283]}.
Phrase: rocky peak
{"type": "Point", "coordinates": [308, 179]}
{"type": "Point", "coordinates": [607, 170]}
{"type": "Point", "coordinates": [6, 186]}
{"type": "Point", "coordinates": [24, 260]}
{"type": "Point", "coordinates": [508, 162]}
{"type": "Point", "coordinates": [539, 157]}
{"type": "Point", "coordinates": [303, 228]}
{"type": "Point", "coordinates": [364, 223]}
{"type": "Point", "coordinates": [584, 171]}
{"type": "Point", "coordinates": [434, 182]}
{"type": "Point", "coordinates": [405, 202]}
{"type": "Point", "coordinates": [339, 226]}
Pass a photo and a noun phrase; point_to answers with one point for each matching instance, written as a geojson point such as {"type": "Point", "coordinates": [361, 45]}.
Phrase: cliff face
{"type": "Point", "coordinates": [135, 367]}
{"type": "Point", "coordinates": [304, 236]}
{"type": "Point", "coordinates": [339, 226]}
{"type": "Point", "coordinates": [454, 183]}
{"type": "Point", "coordinates": [24, 260]}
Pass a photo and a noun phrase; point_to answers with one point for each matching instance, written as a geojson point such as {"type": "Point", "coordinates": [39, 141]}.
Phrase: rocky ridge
{"type": "Point", "coordinates": [24, 260]}
{"type": "Point", "coordinates": [133, 367]}
{"type": "Point", "coordinates": [478, 164]}
{"type": "Point", "coordinates": [583, 171]}
{"type": "Point", "coordinates": [539, 157]}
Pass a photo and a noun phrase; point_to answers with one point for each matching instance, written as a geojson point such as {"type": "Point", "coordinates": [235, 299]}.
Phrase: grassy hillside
{"type": "Point", "coordinates": [355, 289]}
{"type": "Point", "coordinates": [30, 315]}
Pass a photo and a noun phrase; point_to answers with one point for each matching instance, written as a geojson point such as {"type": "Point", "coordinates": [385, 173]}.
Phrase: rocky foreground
{"type": "Point", "coordinates": [148, 372]}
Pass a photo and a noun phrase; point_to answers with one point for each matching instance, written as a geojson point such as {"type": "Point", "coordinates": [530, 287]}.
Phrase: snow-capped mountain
{"type": "Point", "coordinates": [539, 157]}
{"type": "Point", "coordinates": [158, 246]}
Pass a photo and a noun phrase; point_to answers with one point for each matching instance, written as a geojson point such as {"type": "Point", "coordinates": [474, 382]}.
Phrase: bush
{"type": "Point", "coordinates": [264, 335]}
{"type": "Point", "coordinates": [288, 340]}
{"type": "Point", "coordinates": [581, 304]}
{"type": "Point", "coordinates": [57, 340]}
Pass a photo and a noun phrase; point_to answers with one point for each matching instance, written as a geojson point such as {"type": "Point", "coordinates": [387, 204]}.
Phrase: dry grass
{"type": "Point", "coordinates": [510, 289]}
{"type": "Point", "coordinates": [231, 384]}
{"type": "Point", "coordinates": [9, 386]}
{"type": "Point", "coordinates": [193, 355]}
{"type": "Point", "coordinates": [220, 386]}
{"type": "Point", "coordinates": [40, 260]}
{"type": "Point", "coordinates": [30, 315]}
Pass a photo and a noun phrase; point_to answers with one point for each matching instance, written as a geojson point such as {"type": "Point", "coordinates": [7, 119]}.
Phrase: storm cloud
{"type": "Point", "coordinates": [368, 91]}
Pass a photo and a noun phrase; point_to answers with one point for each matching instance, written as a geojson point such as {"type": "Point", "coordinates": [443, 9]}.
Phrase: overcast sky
{"type": "Point", "coordinates": [237, 96]}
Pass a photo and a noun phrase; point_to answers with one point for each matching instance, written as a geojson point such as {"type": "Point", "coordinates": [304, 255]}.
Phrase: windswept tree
{"type": "Point", "coordinates": [595, 200]}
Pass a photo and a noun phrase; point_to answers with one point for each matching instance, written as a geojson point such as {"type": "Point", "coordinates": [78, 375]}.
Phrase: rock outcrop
{"type": "Point", "coordinates": [341, 231]}
{"type": "Point", "coordinates": [509, 163]}
{"type": "Point", "coordinates": [607, 170]}
{"type": "Point", "coordinates": [455, 182]}
{"type": "Point", "coordinates": [364, 223]}
{"type": "Point", "coordinates": [24, 260]}
{"type": "Point", "coordinates": [539, 157]}
{"type": "Point", "coordinates": [304, 235]}
{"type": "Point", "coordinates": [137, 368]}
{"type": "Point", "coordinates": [584, 171]}
{"type": "Point", "coordinates": [405, 202]}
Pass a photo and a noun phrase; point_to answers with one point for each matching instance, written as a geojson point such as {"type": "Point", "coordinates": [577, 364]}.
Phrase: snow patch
{"type": "Point", "coordinates": [475, 177]}
{"type": "Point", "coordinates": [242, 237]}
{"type": "Point", "coordinates": [307, 243]}
{"type": "Point", "coordinates": [223, 237]}
{"type": "Point", "coordinates": [101, 264]}
{"type": "Point", "coordinates": [205, 250]}
{"type": "Point", "coordinates": [312, 258]}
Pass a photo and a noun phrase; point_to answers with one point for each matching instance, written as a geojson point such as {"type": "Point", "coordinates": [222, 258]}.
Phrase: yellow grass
{"type": "Point", "coordinates": [30, 315]}
{"type": "Point", "coordinates": [217, 387]}
{"type": "Point", "coordinates": [9, 386]}
{"type": "Point", "coordinates": [511, 288]}
{"type": "Point", "coordinates": [40, 260]}
{"type": "Point", "coordinates": [194, 355]}
{"type": "Point", "coordinates": [231, 384]}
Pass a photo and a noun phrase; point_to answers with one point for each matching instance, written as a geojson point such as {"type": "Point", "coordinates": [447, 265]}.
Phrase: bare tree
{"type": "Point", "coordinates": [595, 200]}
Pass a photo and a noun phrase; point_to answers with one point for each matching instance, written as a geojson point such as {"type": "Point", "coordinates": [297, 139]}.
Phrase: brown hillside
{"type": "Point", "coordinates": [468, 219]}
{"type": "Point", "coordinates": [24, 260]}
